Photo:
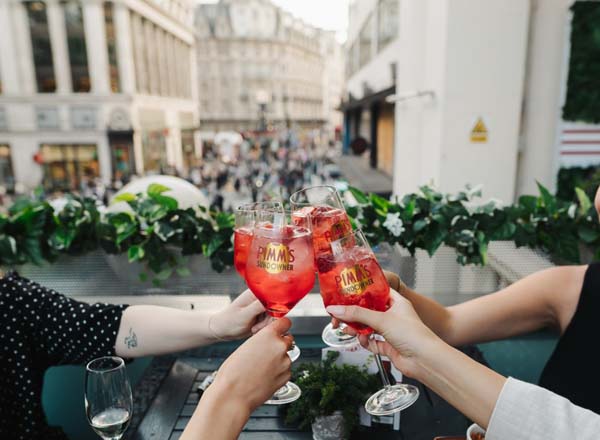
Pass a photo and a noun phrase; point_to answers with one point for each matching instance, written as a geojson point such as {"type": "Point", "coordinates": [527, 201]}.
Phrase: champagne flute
{"type": "Point", "coordinates": [351, 275]}
{"type": "Point", "coordinates": [329, 222]}
{"type": "Point", "coordinates": [108, 399]}
{"type": "Point", "coordinates": [280, 272]}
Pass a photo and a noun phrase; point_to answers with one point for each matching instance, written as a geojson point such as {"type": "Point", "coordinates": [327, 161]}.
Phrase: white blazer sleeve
{"type": "Point", "coordinates": [529, 412]}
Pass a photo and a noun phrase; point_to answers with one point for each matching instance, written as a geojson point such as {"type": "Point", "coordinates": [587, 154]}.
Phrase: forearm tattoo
{"type": "Point", "coordinates": [131, 340]}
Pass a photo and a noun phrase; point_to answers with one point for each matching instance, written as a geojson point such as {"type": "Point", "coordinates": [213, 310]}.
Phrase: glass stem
{"type": "Point", "coordinates": [382, 373]}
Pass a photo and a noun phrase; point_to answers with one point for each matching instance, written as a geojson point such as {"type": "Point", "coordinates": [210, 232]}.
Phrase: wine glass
{"type": "Point", "coordinates": [351, 275]}
{"type": "Point", "coordinates": [108, 400]}
{"type": "Point", "coordinates": [245, 217]}
{"type": "Point", "coordinates": [329, 222]}
{"type": "Point", "coordinates": [280, 272]}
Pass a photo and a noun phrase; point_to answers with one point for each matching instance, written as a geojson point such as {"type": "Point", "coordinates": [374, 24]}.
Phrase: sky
{"type": "Point", "coordinates": [326, 14]}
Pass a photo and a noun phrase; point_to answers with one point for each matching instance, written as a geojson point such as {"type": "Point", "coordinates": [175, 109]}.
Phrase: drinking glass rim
{"type": "Point", "coordinates": [255, 206]}
{"type": "Point", "coordinates": [119, 360]}
{"type": "Point", "coordinates": [293, 196]}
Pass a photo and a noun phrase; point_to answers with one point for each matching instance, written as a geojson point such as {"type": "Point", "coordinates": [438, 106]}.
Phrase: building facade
{"type": "Point", "coordinates": [260, 68]}
{"type": "Point", "coordinates": [95, 89]}
{"type": "Point", "coordinates": [460, 92]}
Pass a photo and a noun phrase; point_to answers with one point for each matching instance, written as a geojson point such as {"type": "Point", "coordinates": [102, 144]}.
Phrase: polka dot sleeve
{"type": "Point", "coordinates": [62, 330]}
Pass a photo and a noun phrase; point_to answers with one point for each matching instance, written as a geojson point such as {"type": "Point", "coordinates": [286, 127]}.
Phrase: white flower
{"type": "Point", "coordinates": [394, 224]}
{"type": "Point", "coordinates": [572, 210]}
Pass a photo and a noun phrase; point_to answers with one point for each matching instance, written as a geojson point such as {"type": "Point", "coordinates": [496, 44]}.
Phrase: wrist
{"type": "Point", "coordinates": [221, 397]}
{"type": "Point", "coordinates": [428, 356]}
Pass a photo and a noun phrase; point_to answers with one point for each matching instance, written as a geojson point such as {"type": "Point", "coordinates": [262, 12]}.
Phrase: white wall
{"type": "Point", "coordinates": [472, 55]}
{"type": "Point", "coordinates": [545, 89]}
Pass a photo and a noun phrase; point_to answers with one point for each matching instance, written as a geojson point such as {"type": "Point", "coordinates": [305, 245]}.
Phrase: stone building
{"type": "Point", "coordinates": [95, 89]}
{"type": "Point", "coordinates": [261, 68]}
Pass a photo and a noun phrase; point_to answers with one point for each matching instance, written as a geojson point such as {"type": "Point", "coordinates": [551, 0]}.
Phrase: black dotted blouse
{"type": "Point", "coordinates": [40, 328]}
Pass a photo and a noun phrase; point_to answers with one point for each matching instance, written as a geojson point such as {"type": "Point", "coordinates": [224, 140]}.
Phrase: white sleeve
{"type": "Point", "coordinates": [529, 412]}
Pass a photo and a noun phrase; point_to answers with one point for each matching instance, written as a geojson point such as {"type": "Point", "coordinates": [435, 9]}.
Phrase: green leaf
{"type": "Point", "coordinates": [8, 248]}
{"type": "Point", "coordinates": [419, 225]}
{"type": "Point", "coordinates": [135, 253]}
{"type": "Point", "coordinates": [380, 203]}
{"type": "Point", "coordinates": [155, 189]}
{"type": "Point", "coordinates": [587, 234]}
{"type": "Point", "coordinates": [183, 271]}
{"type": "Point", "coordinates": [213, 245]}
{"type": "Point", "coordinates": [168, 202]}
{"type": "Point", "coordinates": [124, 197]}
{"type": "Point", "coordinates": [143, 277]}
{"type": "Point", "coordinates": [360, 196]}
{"type": "Point", "coordinates": [584, 201]}
{"type": "Point", "coordinates": [164, 274]}
{"type": "Point", "coordinates": [548, 199]}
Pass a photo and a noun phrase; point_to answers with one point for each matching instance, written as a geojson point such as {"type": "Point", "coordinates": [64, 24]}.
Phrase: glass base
{"type": "Point", "coordinates": [335, 337]}
{"type": "Point", "coordinates": [294, 353]}
{"type": "Point", "coordinates": [286, 394]}
{"type": "Point", "coordinates": [392, 399]}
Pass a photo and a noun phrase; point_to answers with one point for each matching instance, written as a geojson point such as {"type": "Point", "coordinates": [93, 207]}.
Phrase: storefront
{"type": "Point", "coordinates": [67, 166]}
{"type": "Point", "coordinates": [122, 155]}
{"type": "Point", "coordinates": [7, 179]}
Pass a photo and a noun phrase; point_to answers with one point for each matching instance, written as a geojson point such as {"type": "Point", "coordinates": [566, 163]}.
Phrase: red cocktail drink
{"type": "Point", "coordinates": [280, 267]}
{"type": "Point", "coordinates": [353, 278]}
{"type": "Point", "coordinates": [242, 239]}
{"type": "Point", "coordinates": [328, 224]}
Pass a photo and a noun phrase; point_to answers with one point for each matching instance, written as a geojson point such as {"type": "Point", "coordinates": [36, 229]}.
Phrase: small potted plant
{"type": "Point", "coordinates": [331, 397]}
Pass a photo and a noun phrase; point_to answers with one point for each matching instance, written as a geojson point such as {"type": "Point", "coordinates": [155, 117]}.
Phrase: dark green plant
{"type": "Point", "coordinates": [583, 84]}
{"type": "Point", "coordinates": [160, 234]}
{"type": "Point", "coordinates": [327, 388]}
{"type": "Point", "coordinates": [428, 219]}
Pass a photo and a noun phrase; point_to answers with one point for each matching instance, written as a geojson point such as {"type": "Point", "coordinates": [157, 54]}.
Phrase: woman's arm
{"type": "Point", "coordinates": [543, 299]}
{"type": "Point", "coordinates": [526, 412]}
{"type": "Point", "coordinates": [246, 380]}
{"type": "Point", "coordinates": [154, 330]}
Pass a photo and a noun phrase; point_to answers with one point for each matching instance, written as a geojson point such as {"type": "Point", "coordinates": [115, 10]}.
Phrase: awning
{"type": "Point", "coordinates": [367, 101]}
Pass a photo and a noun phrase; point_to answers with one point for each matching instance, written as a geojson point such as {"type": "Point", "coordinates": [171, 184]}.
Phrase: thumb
{"type": "Point", "coordinates": [254, 309]}
{"type": "Point", "coordinates": [356, 314]}
{"type": "Point", "coordinates": [281, 326]}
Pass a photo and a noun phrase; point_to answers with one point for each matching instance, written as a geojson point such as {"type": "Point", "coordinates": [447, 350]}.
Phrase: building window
{"type": "Point", "coordinates": [69, 166]}
{"type": "Point", "coordinates": [42, 49]}
{"type": "Point", "coordinates": [111, 43]}
{"type": "Point", "coordinates": [387, 22]}
{"type": "Point", "coordinates": [80, 75]}
{"type": "Point", "coordinates": [364, 41]}
{"type": "Point", "coordinates": [7, 179]}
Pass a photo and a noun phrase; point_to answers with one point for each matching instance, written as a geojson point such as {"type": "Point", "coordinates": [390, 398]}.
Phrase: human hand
{"type": "Point", "coordinates": [258, 368]}
{"type": "Point", "coordinates": [240, 319]}
{"type": "Point", "coordinates": [404, 332]}
{"type": "Point", "coordinates": [394, 282]}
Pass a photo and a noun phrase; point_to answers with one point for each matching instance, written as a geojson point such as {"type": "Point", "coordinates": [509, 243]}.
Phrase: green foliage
{"type": "Point", "coordinates": [327, 388]}
{"type": "Point", "coordinates": [430, 219]}
{"type": "Point", "coordinates": [583, 84]}
{"type": "Point", "coordinates": [155, 227]}
{"type": "Point", "coordinates": [154, 231]}
{"type": "Point", "coordinates": [586, 178]}
{"type": "Point", "coordinates": [157, 233]}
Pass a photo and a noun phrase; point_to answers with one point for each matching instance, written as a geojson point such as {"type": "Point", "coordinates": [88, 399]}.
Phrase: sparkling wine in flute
{"type": "Point", "coordinates": [111, 423]}
{"type": "Point", "coordinates": [108, 399]}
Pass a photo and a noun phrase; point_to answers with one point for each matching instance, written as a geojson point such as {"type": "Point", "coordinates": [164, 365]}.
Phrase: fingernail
{"type": "Point", "coordinates": [336, 310]}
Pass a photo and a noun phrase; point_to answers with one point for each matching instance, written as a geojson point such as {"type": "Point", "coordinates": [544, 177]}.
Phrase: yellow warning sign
{"type": "Point", "coordinates": [479, 133]}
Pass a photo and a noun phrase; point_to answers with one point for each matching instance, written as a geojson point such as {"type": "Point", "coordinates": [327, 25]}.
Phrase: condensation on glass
{"type": "Point", "coordinates": [78, 60]}
{"type": "Point", "coordinates": [111, 43]}
{"type": "Point", "coordinates": [41, 47]}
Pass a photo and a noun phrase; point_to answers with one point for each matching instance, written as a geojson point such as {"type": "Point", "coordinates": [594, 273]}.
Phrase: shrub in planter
{"type": "Point", "coordinates": [328, 388]}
